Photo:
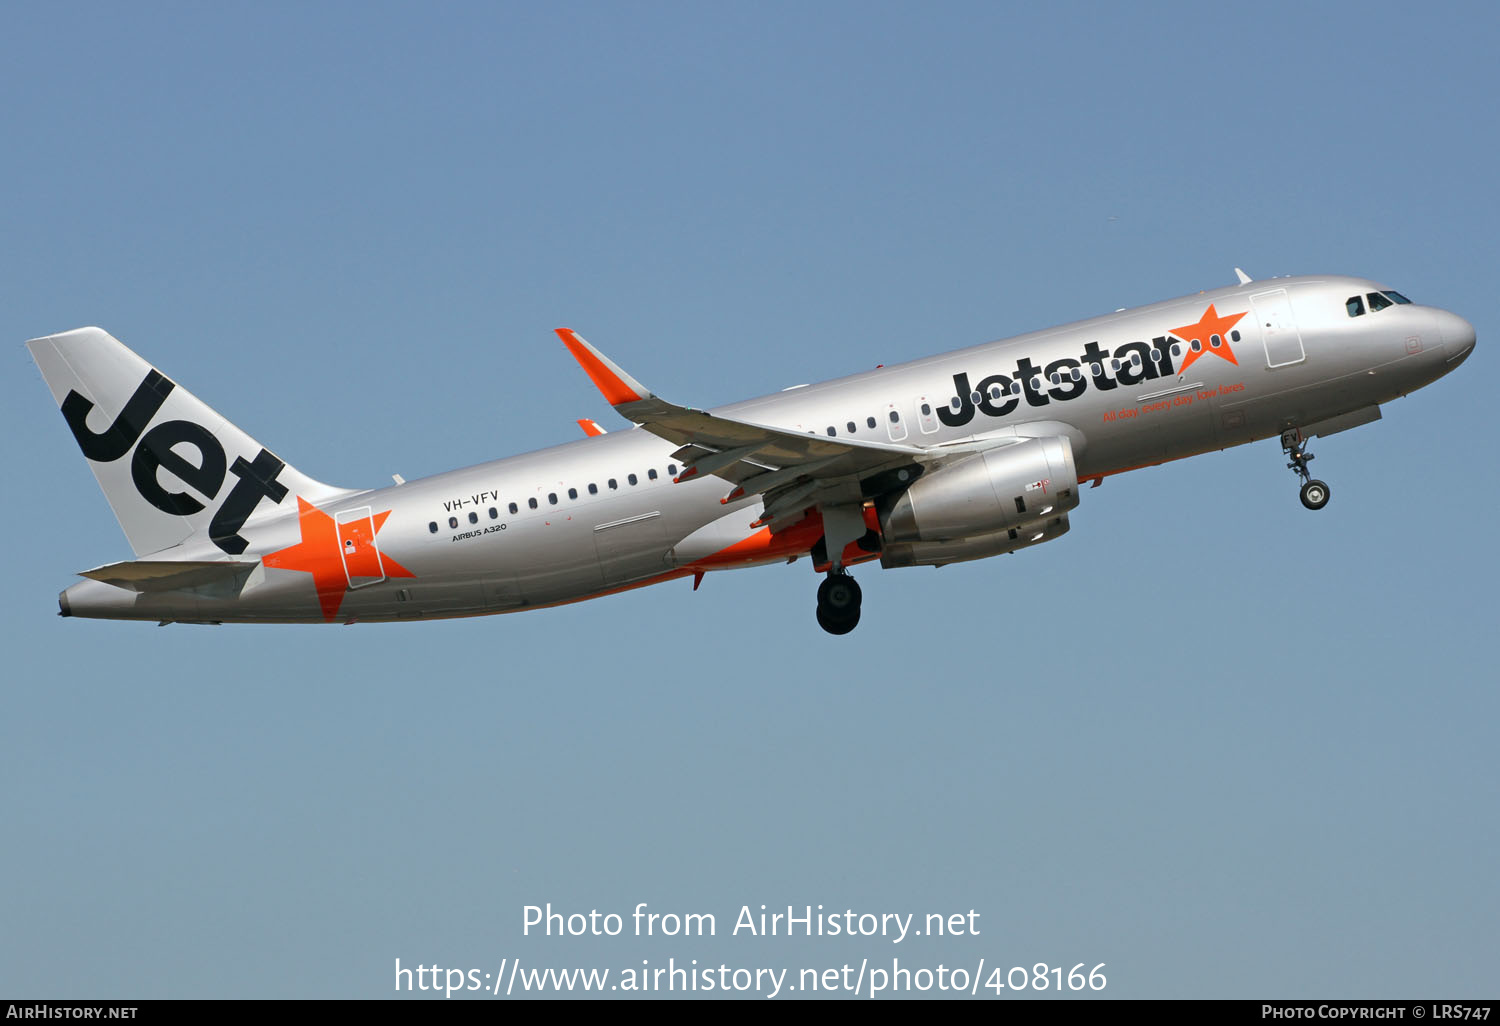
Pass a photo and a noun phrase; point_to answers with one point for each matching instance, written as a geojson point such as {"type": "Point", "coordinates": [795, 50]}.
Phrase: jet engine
{"type": "Point", "coordinates": [982, 505]}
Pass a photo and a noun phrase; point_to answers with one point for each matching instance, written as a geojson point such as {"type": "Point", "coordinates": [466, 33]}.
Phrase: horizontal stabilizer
{"type": "Point", "coordinates": [172, 575]}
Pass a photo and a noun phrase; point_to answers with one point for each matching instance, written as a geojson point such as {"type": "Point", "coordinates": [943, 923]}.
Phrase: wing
{"type": "Point", "coordinates": [792, 469]}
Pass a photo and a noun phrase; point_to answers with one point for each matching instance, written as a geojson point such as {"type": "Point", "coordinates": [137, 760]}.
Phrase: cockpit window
{"type": "Point", "coordinates": [1378, 302]}
{"type": "Point", "coordinates": [1398, 297]}
{"type": "Point", "coordinates": [1355, 306]}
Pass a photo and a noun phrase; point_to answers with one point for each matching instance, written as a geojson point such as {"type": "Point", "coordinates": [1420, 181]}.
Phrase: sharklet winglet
{"type": "Point", "coordinates": [616, 386]}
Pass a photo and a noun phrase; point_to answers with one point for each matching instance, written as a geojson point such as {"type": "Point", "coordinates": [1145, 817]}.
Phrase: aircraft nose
{"type": "Point", "coordinates": [1458, 336]}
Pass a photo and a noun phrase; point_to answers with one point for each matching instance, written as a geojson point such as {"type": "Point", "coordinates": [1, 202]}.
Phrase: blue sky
{"type": "Point", "coordinates": [1228, 747]}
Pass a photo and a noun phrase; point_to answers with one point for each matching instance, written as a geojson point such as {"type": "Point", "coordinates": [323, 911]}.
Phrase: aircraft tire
{"type": "Point", "coordinates": [838, 595]}
{"type": "Point", "coordinates": [1315, 495]}
{"type": "Point", "coordinates": [837, 625]}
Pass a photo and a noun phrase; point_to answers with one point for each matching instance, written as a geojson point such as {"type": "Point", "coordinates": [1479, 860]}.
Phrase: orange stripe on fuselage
{"type": "Point", "coordinates": [797, 540]}
{"type": "Point", "coordinates": [763, 546]}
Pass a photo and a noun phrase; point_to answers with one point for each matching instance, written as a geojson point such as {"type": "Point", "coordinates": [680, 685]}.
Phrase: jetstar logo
{"type": "Point", "coordinates": [1210, 335]}
{"type": "Point", "coordinates": [997, 395]}
{"type": "Point", "coordinates": [336, 554]}
{"type": "Point", "coordinates": [156, 451]}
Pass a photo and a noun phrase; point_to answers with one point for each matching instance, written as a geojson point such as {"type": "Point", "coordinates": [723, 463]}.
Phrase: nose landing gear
{"type": "Point", "coordinates": [1315, 493]}
{"type": "Point", "coordinates": [838, 603]}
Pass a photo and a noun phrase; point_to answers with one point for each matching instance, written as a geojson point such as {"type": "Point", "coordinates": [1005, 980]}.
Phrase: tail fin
{"type": "Point", "coordinates": [169, 465]}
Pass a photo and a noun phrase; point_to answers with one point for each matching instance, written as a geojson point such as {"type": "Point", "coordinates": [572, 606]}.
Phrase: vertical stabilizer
{"type": "Point", "coordinates": [169, 465]}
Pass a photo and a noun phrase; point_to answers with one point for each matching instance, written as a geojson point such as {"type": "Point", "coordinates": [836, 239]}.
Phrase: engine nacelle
{"type": "Point", "coordinates": [986, 495]}
{"type": "Point", "coordinates": [981, 547]}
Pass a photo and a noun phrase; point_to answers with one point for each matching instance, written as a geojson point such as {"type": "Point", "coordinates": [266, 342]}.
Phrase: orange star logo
{"type": "Point", "coordinates": [1209, 335]}
{"type": "Point", "coordinates": [336, 554]}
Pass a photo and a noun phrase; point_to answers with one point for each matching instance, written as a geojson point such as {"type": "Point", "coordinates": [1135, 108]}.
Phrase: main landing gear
{"type": "Point", "coordinates": [838, 603]}
{"type": "Point", "coordinates": [1314, 493]}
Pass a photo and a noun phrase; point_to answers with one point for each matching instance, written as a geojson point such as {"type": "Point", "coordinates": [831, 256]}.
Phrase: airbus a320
{"type": "Point", "coordinates": [973, 453]}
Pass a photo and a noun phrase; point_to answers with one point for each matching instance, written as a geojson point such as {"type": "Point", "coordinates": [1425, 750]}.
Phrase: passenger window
{"type": "Point", "coordinates": [514, 508]}
{"type": "Point", "coordinates": [870, 421]}
{"type": "Point", "coordinates": [593, 488]}
{"type": "Point", "coordinates": [613, 484]}
{"type": "Point", "coordinates": [1378, 302]}
{"type": "Point", "coordinates": [552, 498]}
{"type": "Point", "coordinates": [494, 513]}
{"type": "Point", "coordinates": [1355, 306]}
{"type": "Point", "coordinates": [927, 410]}
{"type": "Point", "coordinates": [631, 478]}
{"type": "Point", "coordinates": [453, 521]}
{"type": "Point", "coordinates": [671, 470]}
{"type": "Point", "coordinates": [473, 518]}
{"type": "Point", "coordinates": [651, 474]}
{"type": "Point", "coordinates": [572, 493]}
{"type": "Point", "coordinates": [850, 426]}
{"type": "Point", "coordinates": [832, 433]}
{"type": "Point", "coordinates": [531, 502]}
{"type": "Point", "coordinates": [432, 526]}
{"type": "Point", "coordinates": [895, 417]}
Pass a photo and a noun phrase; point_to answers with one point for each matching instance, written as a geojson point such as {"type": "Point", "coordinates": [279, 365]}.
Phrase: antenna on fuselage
{"type": "Point", "coordinates": [1244, 278]}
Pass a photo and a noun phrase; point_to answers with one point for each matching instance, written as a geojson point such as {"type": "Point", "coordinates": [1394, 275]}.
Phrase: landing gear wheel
{"type": "Point", "coordinates": [838, 603]}
{"type": "Point", "coordinates": [839, 593]}
{"type": "Point", "coordinates": [1315, 494]}
{"type": "Point", "coordinates": [837, 626]}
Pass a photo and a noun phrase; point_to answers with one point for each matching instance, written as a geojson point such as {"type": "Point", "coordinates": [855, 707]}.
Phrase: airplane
{"type": "Point", "coordinates": [969, 454]}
